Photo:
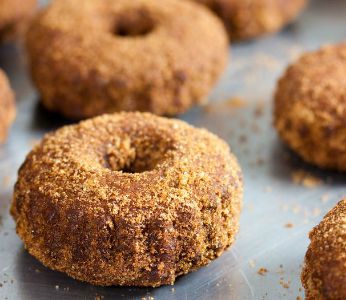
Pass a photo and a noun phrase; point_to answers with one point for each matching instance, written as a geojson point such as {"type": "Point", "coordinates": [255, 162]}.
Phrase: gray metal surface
{"type": "Point", "coordinates": [272, 199]}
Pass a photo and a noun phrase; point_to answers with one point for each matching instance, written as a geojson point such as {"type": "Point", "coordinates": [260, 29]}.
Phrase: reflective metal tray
{"type": "Point", "coordinates": [278, 212]}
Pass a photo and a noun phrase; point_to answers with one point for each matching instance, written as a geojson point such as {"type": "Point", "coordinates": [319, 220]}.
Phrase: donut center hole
{"type": "Point", "coordinates": [136, 156]}
{"type": "Point", "coordinates": [133, 24]}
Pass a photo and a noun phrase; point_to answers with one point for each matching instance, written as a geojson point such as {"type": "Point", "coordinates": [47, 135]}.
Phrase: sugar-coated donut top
{"type": "Point", "coordinates": [325, 269]}
{"type": "Point", "coordinates": [317, 82]}
{"type": "Point", "coordinates": [129, 199]}
{"type": "Point", "coordinates": [129, 38]}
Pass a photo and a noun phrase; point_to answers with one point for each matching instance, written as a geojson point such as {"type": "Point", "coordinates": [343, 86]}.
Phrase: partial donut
{"type": "Point", "coordinates": [324, 273]}
{"type": "Point", "coordinates": [246, 19]}
{"type": "Point", "coordinates": [128, 199]}
{"type": "Point", "coordinates": [7, 106]}
{"type": "Point", "coordinates": [100, 56]}
{"type": "Point", "coordinates": [14, 15]}
{"type": "Point", "coordinates": [310, 107]}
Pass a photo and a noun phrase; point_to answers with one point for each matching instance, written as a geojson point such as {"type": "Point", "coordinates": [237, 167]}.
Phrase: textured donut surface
{"type": "Point", "coordinates": [14, 15]}
{"type": "Point", "coordinates": [90, 57]}
{"type": "Point", "coordinates": [324, 273]}
{"type": "Point", "coordinates": [128, 199]}
{"type": "Point", "coordinates": [246, 19]}
{"type": "Point", "coordinates": [7, 106]}
{"type": "Point", "coordinates": [310, 107]}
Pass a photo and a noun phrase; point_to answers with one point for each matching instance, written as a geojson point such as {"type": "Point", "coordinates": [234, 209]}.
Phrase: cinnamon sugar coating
{"type": "Point", "coordinates": [14, 15]}
{"type": "Point", "coordinates": [310, 107]}
{"type": "Point", "coordinates": [324, 273]}
{"type": "Point", "coordinates": [90, 57]}
{"type": "Point", "coordinates": [246, 19]}
{"type": "Point", "coordinates": [7, 106]}
{"type": "Point", "coordinates": [128, 199]}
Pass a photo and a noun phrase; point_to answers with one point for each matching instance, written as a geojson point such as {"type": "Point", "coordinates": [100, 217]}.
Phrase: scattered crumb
{"type": "Point", "coordinates": [259, 110]}
{"type": "Point", "coordinates": [6, 181]}
{"type": "Point", "coordinates": [284, 284]}
{"type": "Point", "coordinates": [173, 290]}
{"type": "Point", "coordinates": [252, 263]}
{"type": "Point", "coordinates": [268, 189]}
{"type": "Point", "coordinates": [289, 225]}
{"type": "Point", "coordinates": [56, 287]}
{"type": "Point", "coordinates": [97, 297]}
{"type": "Point", "coordinates": [235, 102]}
{"type": "Point", "coordinates": [306, 179]}
{"type": "Point", "coordinates": [325, 198]}
{"type": "Point", "coordinates": [262, 271]}
{"type": "Point", "coordinates": [299, 298]}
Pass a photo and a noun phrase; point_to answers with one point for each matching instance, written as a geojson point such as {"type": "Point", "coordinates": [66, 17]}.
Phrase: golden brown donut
{"type": "Point", "coordinates": [7, 106]}
{"type": "Point", "coordinates": [14, 14]}
{"type": "Point", "coordinates": [246, 19]}
{"type": "Point", "coordinates": [128, 199]}
{"type": "Point", "coordinates": [310, 107]}
{"type": "Point", "coordinates": [90, 57]}
{"type": "Point", "coordinates": [324, 272]}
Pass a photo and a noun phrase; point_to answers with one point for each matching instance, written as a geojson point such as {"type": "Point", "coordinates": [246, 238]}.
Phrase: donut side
{"type": "Point", "coordinates": [254, 18]}
{"type": "Point", "coordinates": [14, 17]}
{"type": "Point", "coordinates": [128, 199]}
{"type": "Point", "coordinates": [323, 275]}
{"type": "Point", "coordinates": [310, 110]}
{"type": "Point", "coordinates": [7, 106]}
{"type": "Point", "coordinates": [98, 66]}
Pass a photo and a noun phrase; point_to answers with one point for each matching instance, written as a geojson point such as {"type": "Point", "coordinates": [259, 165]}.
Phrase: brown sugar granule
{"type": "Point", "coordinates": [128, 199]}
{"type": "Point", "coordinates": [289, 225]}
{"type": "Point", "coordinates": [262, 271]}
{"type": "Point", "coordinates": [91, 57]}
{"type": "Point", "coordinates": [306, 179]}
{"type": "Point", "coordinates": [323, 275]}
{"type": "Point", "coordinates": [284, 284]}
{"type": "Point", "coordinates": [235, 102]}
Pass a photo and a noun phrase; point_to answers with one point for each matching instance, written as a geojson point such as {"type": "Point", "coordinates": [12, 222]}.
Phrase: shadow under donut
{"type": "Point", "coordinates": [39, 282]}
{"type": "Point", "coordinates": [46, 120]}
{"type": "Point", "coordinates": [287, 162]}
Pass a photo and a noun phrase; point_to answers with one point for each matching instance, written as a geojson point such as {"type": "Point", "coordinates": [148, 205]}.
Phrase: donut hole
{"type": "Point", "coordinates": [136, 156]}
{"type": "Point", "coordinates": [134, 23]}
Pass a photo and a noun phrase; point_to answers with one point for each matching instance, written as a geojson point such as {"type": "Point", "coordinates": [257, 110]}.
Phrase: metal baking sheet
{"type": "Point", "coordinates": [278, 211]}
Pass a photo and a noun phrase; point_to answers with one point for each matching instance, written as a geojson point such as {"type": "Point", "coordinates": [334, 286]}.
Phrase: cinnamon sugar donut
{"type": "Point", "coordinates": [324, 273]}
{"type": "Point", "coordinates": [90, 57]}
{"type": "Point", "coordinates": [7, 106]}
{"type": "Point", "coordinates": [310, 107]}
{"type": "Point", "coordinates": [14, 14]}
{"type": "Point", "coordinates": [128, 199]}
{"type": "Point", "coordinates": [246, 19]}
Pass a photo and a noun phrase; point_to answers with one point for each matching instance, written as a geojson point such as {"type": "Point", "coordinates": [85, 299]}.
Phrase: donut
{"type": "Point", "coordinates": [90, 57]}
{"type": "Point", "coordinates": [14, 15]}
{"type": "Point", "coordinates": [310, 107]}
{"type": "Point", "coordinates": [324, 272]}
{"type": "Point", "coordinates": [7, 106]}
{"type": "Point", "coordinates": [128, 199]}
{"type": "Point", "coordinates": [245, 19]}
